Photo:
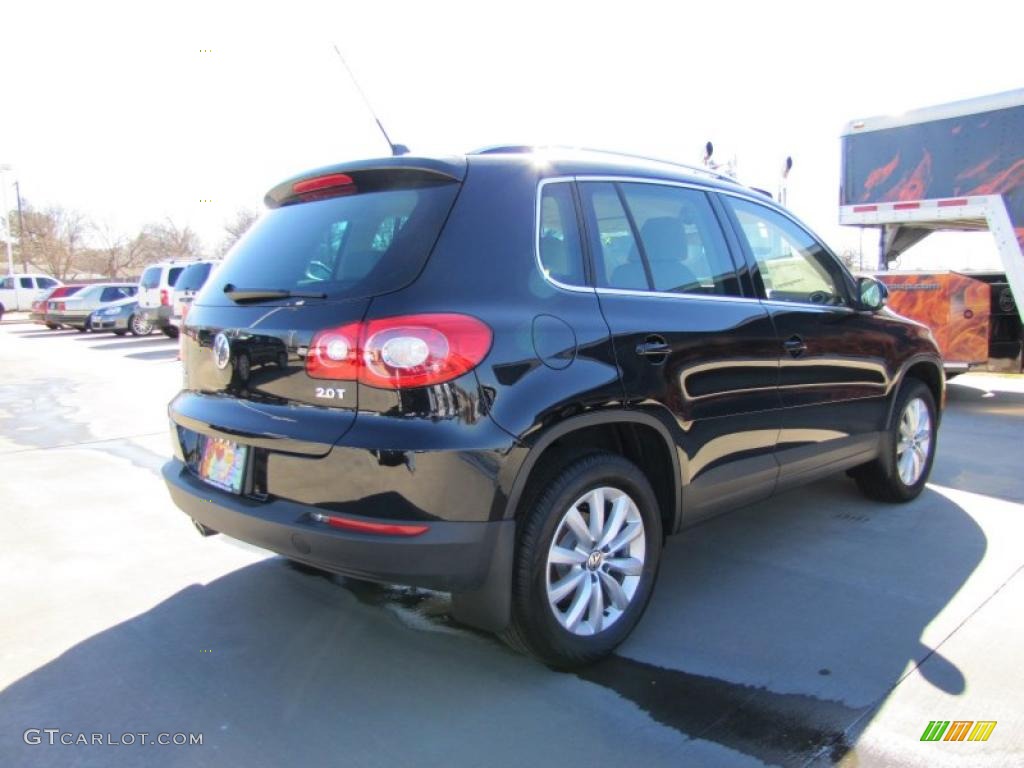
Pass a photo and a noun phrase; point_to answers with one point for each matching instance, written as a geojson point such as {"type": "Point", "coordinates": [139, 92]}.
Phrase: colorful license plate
{"type": "Point", "coordinates": [222, 463]}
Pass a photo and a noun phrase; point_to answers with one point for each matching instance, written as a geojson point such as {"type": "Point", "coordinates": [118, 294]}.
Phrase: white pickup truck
{"type": "Point", "coordinates": [17, 292]}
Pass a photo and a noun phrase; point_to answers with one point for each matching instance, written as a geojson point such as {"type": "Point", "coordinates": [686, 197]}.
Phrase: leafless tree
{"type": "Point", "coordinates": [54, 240]}
{"type": "Point", "coordinates": [171, 241]}
{"type": "Point", "coordinates": [237, 226]}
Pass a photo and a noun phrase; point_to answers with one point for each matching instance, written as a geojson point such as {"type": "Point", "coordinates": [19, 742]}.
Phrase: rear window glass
{"type": "Point", "coordinates": [193, 277]}
{"type": "Point", "coordinates": [345, 247]}
{"type": "Point", "coordinates": [172, 276]}
{"type": "Point", "coordinates": [150, 278]}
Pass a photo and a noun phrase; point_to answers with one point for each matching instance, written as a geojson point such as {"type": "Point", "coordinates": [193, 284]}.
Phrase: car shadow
{"type": "Point", "coordinates": [157, 354]}
{"type": "Point", "coordinates": [773, 631]}
{"type": "Point", "coordinates": [137, 342]}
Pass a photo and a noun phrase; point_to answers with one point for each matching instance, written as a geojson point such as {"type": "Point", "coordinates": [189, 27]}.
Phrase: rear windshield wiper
{"type": "Point", "coordinates": [265, 294]}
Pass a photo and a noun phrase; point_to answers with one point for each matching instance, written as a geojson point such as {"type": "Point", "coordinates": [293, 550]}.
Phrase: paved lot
{"type": "Point", "coordinates": [811, 629]}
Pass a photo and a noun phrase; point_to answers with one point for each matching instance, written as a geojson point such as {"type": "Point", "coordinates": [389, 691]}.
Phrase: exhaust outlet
{"type": "Point", "coordinates": [203, 530]}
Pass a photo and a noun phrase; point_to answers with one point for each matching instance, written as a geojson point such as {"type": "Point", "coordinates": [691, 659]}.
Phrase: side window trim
{"type": "Point", "coordinates": [641, 249]}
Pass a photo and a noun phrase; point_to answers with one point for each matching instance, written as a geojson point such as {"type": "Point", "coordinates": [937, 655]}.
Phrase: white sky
{"type": "Point", "coordinates": [112, 109]}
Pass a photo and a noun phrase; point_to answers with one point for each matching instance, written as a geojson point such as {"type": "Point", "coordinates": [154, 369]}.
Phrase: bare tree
{"type": "Point", "coordinates": [54, 240]}
{"type": "Point", "coordinates": [237, 226]}
{"type": "Point", "coordinates": [170, 241]}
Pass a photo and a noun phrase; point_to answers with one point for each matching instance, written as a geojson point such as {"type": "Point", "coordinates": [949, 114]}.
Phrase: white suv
{"type": "Point", "coordinates": [156, 289]}
{"type": "Point", "coordinates": [17, 292]}
{"type": "Point", "coordinates": [187, 286]}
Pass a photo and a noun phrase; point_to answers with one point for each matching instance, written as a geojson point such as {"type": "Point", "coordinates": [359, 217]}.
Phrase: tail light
{"type": "Point", "coordinates": [400, 352]}
{"type": "Point", "coordinates": [165, 298]}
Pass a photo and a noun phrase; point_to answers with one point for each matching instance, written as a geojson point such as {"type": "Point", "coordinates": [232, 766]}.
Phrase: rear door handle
{"type": "Point", "coordinates": [653, 347]}
{"type": "Point", "coordinates": [795, 346]}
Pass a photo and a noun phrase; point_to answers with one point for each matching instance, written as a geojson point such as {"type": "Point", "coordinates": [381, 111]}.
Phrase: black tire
{"type": "Point", "coordinates": [534, 627]}
{"type": "Point", "coordinates": [121, 332]}
{"type": "Point", "coordinates": [53, 326]}
{"type": "Point", "coordinates": [81, 328]}
{"type": "Point", "coordinates": [170, 331]}
{"type": "Point", "coordinates": [880, 479]}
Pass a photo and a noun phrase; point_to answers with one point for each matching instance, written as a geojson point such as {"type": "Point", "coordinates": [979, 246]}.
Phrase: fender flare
{"type": "Point", "coordinates": [901, 376]}
{"type": "Point", "coordinates": [590, 419]}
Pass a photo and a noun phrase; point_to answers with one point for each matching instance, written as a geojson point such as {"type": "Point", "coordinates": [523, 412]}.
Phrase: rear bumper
{"type": "Point", "coordinates": [76, 321]}
{"type": "Point", "coordinates": [449, 556]}
{"type": "Point", "coordinates": [159, 317]}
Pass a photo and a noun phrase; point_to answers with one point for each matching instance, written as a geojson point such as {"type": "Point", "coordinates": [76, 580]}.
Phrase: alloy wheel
{"type": "Point", "coordinates": [915, 441]}
{"type": "Point", "coordinates": [595, 560]}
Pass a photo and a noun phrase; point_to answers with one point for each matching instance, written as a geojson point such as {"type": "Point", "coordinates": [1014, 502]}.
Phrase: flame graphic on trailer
{"type": "Point", "coordinates": [956, 166]}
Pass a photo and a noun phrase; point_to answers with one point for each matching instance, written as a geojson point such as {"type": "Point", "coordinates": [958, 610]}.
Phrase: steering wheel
{"type": "Point", "coordinates": [317, 270]}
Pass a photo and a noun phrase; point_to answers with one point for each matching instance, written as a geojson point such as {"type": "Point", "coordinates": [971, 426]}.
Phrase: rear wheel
{"type": "Point", "coordinates": [899, 474]}
{"type": "Point", "coordinates": [53, 326]}
{"type": "Point", "coordinates": [140, 326]}
{"type": "Point", "coordinates": [170, 331]}
{"type": "Point", "coordinates": [121, 332]}
{"type": "Point", "coordinates": [586, 562]}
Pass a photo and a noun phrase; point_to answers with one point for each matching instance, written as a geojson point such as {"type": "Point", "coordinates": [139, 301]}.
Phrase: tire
{"type": "Point", "coordinates": [53, 326]}
{"type": "Point", "coordinates": [81, 328]}
{"type": "Point", "coordinates": [547, 618]}
{"type": "Point", "coordinates": [121, 332]}
{"type": "Point", "coordinates": [140, 326]}
{"type": "Point", "coordinates": [885, 479]}
{"type": "Point", "coordinates": [170, 331]}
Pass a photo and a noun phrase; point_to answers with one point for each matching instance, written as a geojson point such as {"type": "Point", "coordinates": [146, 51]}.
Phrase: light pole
{"type": "Point", "coordinates": [4, 168]}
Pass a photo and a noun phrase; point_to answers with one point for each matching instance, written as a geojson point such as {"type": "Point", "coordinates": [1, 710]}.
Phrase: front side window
{"type": "Point", "coordinates": [657, 237]}
{"type": "Point", "coordinates": [7, 284]}
{"type": "Point", "coordinates": [45, 282]}
{"type": "Point", "coordinates": [793, 266]}
{"type": "Point", "coordinates": [561, 254]}
{"type": "Point", "coordinates": [26, 282]}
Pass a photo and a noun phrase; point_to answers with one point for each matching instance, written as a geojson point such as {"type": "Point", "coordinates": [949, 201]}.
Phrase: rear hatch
{"type": "Point", "coordinates": [330, 242]}
{"type": "Point", "coordinates": [187, 286]}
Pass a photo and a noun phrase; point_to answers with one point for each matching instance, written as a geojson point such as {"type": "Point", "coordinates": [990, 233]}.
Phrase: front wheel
{"type": "Point", "coordinates": [586, 562]}
{"type": "Point", "coordinates": [899, 474]}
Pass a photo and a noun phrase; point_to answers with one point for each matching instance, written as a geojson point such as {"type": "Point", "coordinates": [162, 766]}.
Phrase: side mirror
{"type": "Point", "coordinates": [871, 293]}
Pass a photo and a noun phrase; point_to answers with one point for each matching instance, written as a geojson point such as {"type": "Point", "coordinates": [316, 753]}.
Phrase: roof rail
{"type": "Point", "coordinates": [526, 148]}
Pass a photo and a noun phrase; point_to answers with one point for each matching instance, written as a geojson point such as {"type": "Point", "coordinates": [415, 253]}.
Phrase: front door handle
{"type": "Point", "coordinates": [795, 346]}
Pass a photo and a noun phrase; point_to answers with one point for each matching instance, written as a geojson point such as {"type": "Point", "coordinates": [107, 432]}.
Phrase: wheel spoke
{"type": "Point", "coordinates": [578, 526]}
{"type": "Point", "coordinates": [614, 590]}
{"type": "Point", "coordinates": [626, 536]}
{"type": "Point", "coordinates": [566, 585]}
{"type": "Point", "coordinates": [579, 605]}
{"type": "Point", "coordinates": [563, 556]}
{"type": "Point", "coordinates": [906, 462]}
{"type": "Point", "coordinates": [596, 612]}
{"type": "Point", "coordinates": [629, 566]}
{"type": "Point", "coordinates": [611, 529]}
{"type": "Point", "coordinates": [596, 503]}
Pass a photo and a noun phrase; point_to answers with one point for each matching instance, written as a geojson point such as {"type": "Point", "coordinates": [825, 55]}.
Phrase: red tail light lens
{"type": "Point", "coordinates": [165, 298]}
{"type": "Point", "coordinates": [331, 185]}
{"type": "Point", "coordinates": [400, 352]}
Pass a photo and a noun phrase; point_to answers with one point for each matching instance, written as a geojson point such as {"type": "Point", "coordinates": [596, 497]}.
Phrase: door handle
{"type": "Point", "coordinates": [795, 346]}
{"type": "Point", "coordinates": [654, 347]}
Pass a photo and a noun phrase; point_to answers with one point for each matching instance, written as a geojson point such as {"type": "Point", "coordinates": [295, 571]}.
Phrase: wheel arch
{"type": "Point", "coordinates": [926, 369]}
{"type": "Point", "coordinates": [638, 436]}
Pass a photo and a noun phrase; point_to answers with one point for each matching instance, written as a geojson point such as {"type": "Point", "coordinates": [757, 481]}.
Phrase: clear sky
{"type": "Point", "coordinates": [117, 110]}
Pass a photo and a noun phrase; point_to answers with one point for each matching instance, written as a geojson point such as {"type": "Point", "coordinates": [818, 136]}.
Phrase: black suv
{"type": "Point", "coordinates": [509, 375]}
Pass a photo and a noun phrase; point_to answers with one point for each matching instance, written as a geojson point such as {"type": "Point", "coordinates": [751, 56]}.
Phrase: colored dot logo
{"type": "Point", "coordinates": [205, 200]}
{"type": "Point", "coordinates": [206, 50]}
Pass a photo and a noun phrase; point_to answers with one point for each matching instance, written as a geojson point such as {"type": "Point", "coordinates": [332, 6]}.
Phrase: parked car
{"type": "Point", "coordinates": [121, 317]}
{"type": "Point", "coordinates": [510, 376]}
{"type": "Point", "coordinates": [43, 310]}
{"type": "Point", "coordinates": [187, 286]}
{"type": "Point", "coordinates": [155, 289]}
{"type": "Point", "coordinates": [75, 311]}
{"type": "Point", "coordinates": [17, 292]}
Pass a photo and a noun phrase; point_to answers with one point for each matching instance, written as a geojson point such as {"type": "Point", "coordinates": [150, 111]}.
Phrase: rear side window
{"type": "Point", "coordinates": [661, 238]}
{"type": "Point", "coordinates": [193, 277]}
{"type": "Point", "coordinates": [561, 253]}
{"type": "Point", "coordinates": [26, 282]}
{"type": "Point", "coordinates": [45, 282]}
{"type": "Point", "coordinates": [111, 294]}
{"type": "Point", "coordinates": [352, 246]}
{"type": "Point", "coordinates": [173, 274]}
{"type": "Point", "coordinates": [150, 278]}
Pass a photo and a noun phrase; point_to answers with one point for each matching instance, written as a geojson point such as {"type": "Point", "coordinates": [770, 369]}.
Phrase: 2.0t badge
{"type": "Point", "coordinates": [221, 351]}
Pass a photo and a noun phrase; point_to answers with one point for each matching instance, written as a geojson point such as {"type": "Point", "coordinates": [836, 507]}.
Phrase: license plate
{"type": "Point", "coordinates": [222, 463]}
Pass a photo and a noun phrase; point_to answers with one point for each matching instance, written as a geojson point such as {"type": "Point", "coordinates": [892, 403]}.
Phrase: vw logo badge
{"type": "Point", "coordinates": [221, 351]}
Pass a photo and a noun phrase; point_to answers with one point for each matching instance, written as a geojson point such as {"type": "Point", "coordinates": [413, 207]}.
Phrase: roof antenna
{"type": "Point", "coordinates": [396, 149]}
